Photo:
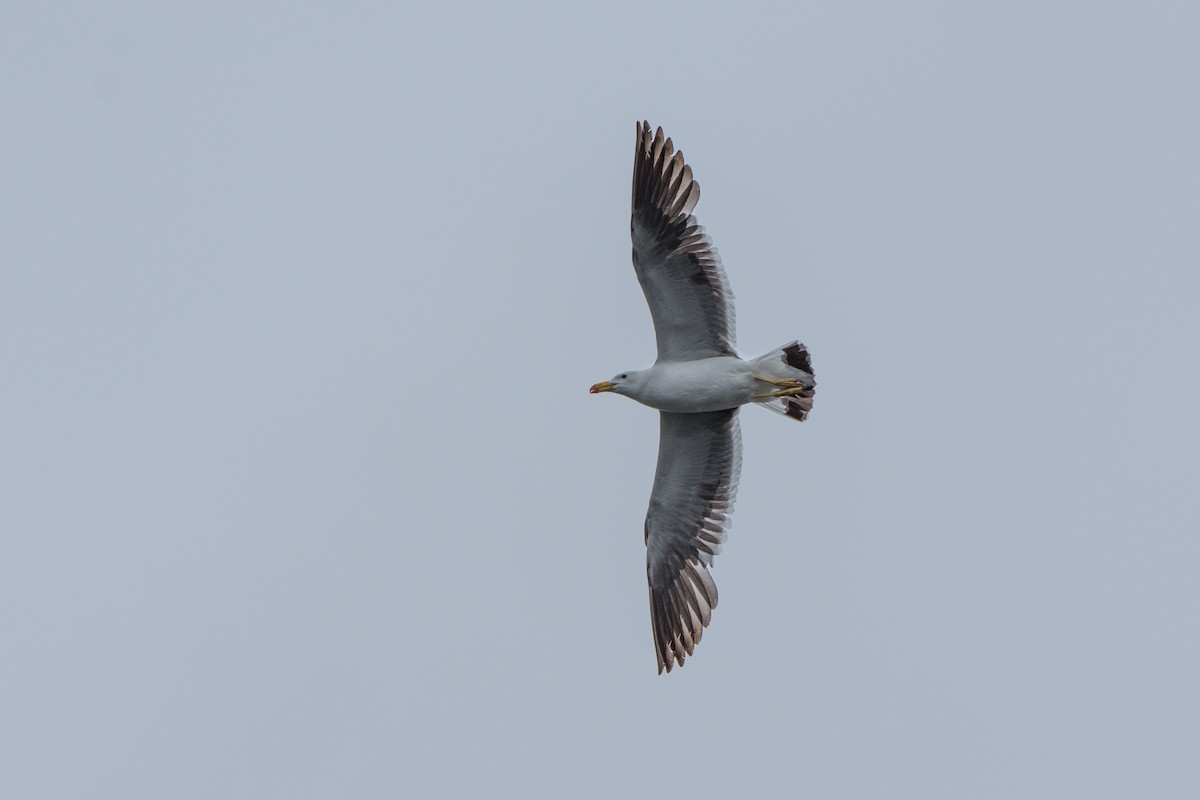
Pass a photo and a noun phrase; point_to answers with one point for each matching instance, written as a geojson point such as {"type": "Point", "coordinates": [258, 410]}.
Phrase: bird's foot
{"type": "Point", "coordinates": [790, 391]}
{"type": "Point", "coordinates": [786, 383]}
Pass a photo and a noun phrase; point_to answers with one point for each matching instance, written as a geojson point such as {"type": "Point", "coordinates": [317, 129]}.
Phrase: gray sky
{"type": "Point", "coordinates": [302, 493]}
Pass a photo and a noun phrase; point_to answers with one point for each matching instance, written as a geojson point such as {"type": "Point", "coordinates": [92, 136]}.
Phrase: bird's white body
{"type": "Point", "coordinates": [710, 384]}
{"type": "Point", "coordinates": [707, 384]}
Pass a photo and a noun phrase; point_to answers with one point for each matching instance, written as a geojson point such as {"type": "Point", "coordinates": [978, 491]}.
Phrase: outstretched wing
{"type": "Point", "coordinates": [676, 263]}
{"type": "Point", "coordinates": [699, 462]}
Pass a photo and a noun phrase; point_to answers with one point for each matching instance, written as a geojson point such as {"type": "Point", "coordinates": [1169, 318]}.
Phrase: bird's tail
{"type": "Point", "coordinates": [790, 366]}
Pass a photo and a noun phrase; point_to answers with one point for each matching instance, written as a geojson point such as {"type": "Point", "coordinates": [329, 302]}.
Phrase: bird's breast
{"type": "Point", "coordinates": [711, 384]}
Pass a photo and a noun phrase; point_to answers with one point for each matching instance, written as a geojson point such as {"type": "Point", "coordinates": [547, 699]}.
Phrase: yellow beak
{"type": "Point", "coordinates": [602, 386]}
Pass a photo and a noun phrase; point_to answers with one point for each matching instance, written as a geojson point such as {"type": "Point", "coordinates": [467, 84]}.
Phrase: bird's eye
{"type": "Point", "coordinates": [622, 376]}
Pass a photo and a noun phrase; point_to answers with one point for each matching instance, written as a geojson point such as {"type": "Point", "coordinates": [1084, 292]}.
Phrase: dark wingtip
{"type": "Point", "coordinates": [797, 357]}
{"type": "Point", "coordinates": [799, 406]}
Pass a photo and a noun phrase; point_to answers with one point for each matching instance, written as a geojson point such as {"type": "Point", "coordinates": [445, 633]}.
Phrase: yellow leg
{"type": "Point", "coordinates": [788, 392]}
{"type": "Point", "coordinates": [787, 383]}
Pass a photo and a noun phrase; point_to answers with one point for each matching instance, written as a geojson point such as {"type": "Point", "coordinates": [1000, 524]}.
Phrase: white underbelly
{"type": "Point", "coordinates": [710, 384]}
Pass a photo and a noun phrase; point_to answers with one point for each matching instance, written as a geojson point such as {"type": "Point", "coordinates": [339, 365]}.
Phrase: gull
{"type": "Point", "coordinates": [698, 383]}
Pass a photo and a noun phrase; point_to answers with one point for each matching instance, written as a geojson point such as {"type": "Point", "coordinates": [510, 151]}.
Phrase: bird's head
{"type": "Point", "coordinates": [621, 384]}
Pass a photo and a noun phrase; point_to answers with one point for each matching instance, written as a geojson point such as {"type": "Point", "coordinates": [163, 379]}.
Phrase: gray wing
{"type": "Point", "coordinates": [699, 462]}
{"type": "Point", "coordinates": [676, 263]}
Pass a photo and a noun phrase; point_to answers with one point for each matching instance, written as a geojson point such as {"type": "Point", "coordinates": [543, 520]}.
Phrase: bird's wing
{"type": "Point", "coordinates": [699, 461]}
{"type": "Point", "coordinates": [675, 261]}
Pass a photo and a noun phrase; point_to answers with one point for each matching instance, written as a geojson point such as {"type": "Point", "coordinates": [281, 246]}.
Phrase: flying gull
{"type": "Point", "coordinates": [697, 383]}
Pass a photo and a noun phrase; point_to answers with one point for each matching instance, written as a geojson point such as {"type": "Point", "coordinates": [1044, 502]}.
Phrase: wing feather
{"type": "Point", "coordinates": [699, 462]}
{"type": "Point", "coordinates": [678, 267]}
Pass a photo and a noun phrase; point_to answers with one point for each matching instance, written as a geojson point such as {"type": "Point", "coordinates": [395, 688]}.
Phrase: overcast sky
{"type": "Point", "coordinates": [302, 494]}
